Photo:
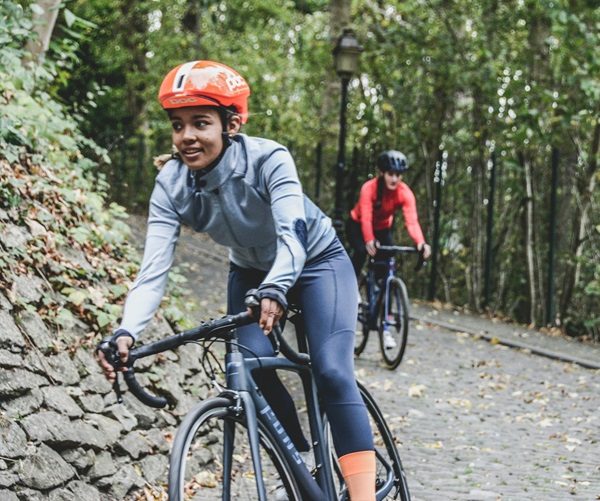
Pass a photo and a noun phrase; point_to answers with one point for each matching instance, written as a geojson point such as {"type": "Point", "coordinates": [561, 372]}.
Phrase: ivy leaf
{"type": "Point", "coordinates": [77, 297]}
{"type": "Point", "coordinates": [70, 18]}
{"type": "Point", "coordinates": [64, 317]}
{"type": "Point", "coordinates": [103, 319]}
{"type": "Point", "coordinates": [80, 234]}
{"type": "Point", "coordinates": [118, 290]}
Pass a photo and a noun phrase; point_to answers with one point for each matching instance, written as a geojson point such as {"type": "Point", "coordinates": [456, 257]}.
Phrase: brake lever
{"type": "Point", "coordinates": [117, 389]}
{"type": "Point", "coordinates": [274, 336]}
{"type": "Point", "coordinates": [110, 350]}
{"type": "Point", "coordinates": [421, 261]}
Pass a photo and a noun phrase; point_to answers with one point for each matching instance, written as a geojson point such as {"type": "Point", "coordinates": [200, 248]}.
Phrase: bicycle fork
{"type": "Point", "coordinates": [387, 299]}
{"type": "Point", "coordinates": [238, 382]}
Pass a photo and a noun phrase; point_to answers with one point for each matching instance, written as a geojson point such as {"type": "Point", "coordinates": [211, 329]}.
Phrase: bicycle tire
{"type": "Point", "coordinates": [385, 446]}
{"type": "Point", "coordinates": [398, 323]}
{"type": "Point", "coordinates": [361, 335]}
{"type": "Point", "coordinates": [386, 453]}
{"type": "Point", "coordinates": [196, 472]}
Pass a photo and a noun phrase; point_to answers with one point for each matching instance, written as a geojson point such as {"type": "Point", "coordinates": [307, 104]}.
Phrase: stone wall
{"type": "Point", "coordinates": [63, 435]}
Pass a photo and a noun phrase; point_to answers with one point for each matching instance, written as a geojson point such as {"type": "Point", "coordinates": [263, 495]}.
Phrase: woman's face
{"type": "Point", "coordinates": [197, 134]}
{"type": "Point", "coordinates": [392, 179]}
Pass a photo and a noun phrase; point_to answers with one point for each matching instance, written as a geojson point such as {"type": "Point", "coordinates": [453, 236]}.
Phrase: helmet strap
{"type": "Point", "coordinates": [215, 162]}
{"type": "Point", "coordinates": [226, 140]}
{"type": "Point", "coordinates": [201, 172]}
{"type": "Point", "coordinates": [225, 114]}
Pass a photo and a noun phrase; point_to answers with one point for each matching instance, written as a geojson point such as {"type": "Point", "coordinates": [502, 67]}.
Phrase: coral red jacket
{"type": "Point", "coordinates": [372, 219]}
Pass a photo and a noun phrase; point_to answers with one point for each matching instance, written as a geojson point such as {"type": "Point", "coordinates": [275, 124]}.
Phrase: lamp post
{"type": "Point", "coordinates": [346, 53]}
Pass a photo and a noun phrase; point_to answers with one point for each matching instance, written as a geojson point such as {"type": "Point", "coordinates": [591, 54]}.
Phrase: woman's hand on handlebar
{"type": "Point", "coordinates": [124, 343]}
{"type": "Point", "coordinates": [270, 313]}
{"type": "Point", "coordinates": [424, 249]}
{"type": "Point", "coordinates": [371, 247]}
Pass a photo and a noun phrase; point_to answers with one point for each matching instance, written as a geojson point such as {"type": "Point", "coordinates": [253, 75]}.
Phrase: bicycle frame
{"type": "Point", "coordinates": [240, 380]}
{"type": "Point", "coordinates": [249, 407]}
{"type": "Point", "coordinates": [376, 296]}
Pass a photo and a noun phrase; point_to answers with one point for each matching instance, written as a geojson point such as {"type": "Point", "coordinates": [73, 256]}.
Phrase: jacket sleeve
{"type": "Point", "coordinates": [148, 289]}
{"type": "Point", "coordinates": [278, 173]}
{"type": "Point", "coordinates": [409, 211]}
{"type": "Point", "coordinates": [365, 201]}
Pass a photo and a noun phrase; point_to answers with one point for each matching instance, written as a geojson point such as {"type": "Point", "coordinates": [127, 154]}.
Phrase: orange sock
{"type": "Point", "coordinates": [358, 469]}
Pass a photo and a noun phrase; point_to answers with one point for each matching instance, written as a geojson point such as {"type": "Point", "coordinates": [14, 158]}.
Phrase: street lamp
{"type": "Point", "coordinates": [346, 53]}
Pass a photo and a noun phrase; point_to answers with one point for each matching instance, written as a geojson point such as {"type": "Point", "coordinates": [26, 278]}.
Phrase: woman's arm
{"type": "Point", "coordinates": [365, 202]}
{"type": "Point", "coordinates": [409, 211]}
{"type": "Point", "coordinates": [148, 289]}
{"type": "Point", "coordinates": [280, 180]}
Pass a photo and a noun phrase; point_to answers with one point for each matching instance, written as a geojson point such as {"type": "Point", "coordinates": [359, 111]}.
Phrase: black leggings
{"type": "Point", "coordinates": [357, 242]}
{"type": "Point", "coordinates": [325, 292]}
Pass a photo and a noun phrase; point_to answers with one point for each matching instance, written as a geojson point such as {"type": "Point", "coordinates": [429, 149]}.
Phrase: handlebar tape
{"type": "Point", "coordinates": [141, 394]}
{"type": "Point", "coordinates": [397, 248]}
{"type": "Point", "coordinates": [291, 354]}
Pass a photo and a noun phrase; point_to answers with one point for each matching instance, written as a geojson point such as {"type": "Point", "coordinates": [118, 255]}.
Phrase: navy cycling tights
{"type": "Point", "coordinates": [326, 293]}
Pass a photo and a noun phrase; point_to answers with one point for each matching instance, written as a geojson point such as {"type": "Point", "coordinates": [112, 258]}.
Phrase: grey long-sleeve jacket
{"type": "Point", "coordinates": [251, 202]}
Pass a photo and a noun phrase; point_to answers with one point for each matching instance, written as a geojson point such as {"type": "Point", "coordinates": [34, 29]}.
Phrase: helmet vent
{"type": "Point", "coordinates": [181, 76]}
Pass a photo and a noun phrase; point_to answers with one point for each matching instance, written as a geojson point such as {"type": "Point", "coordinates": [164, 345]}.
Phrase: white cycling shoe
{"type": "Point", "coordinates": [280, 494]}
{"type": "Point", "coordinates": [389, 343]}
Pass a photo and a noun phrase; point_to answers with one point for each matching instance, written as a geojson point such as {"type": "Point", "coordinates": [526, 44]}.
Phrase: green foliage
{"type": "Point", "coordinates": [53, 202]}
{"type": "Point", "coordinates": [505, 77]}
{"type": "Point", "coordinates": [283, 50]}
{"type": "Point", "coordinates": [511, 78]}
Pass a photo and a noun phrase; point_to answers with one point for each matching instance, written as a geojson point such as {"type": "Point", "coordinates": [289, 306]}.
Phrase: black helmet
{"type": "Point", "coordinates": [392, 161]}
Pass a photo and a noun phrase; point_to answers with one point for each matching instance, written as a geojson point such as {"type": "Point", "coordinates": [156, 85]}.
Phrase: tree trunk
{"type": "Point", "coordinates": [529, 239]}
{"type": "Point", "coordinates": [338, 20]}
{"type": "Point", "coordinates": [477, 228]}
{"type": "Point", "coordinates": [539, 31]}
{"type": "Point", "coordinates": [135, 22]}
{"type": "Point", "coordinates": [44, 26]}
{"type": "Point", "coordinates": [581, 222]}
{"type": "Point", "coordinates": [340, 16]}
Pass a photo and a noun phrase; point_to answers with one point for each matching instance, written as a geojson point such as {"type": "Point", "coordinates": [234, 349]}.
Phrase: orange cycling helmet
{"type": "Point", "coordinates": [205, 83]}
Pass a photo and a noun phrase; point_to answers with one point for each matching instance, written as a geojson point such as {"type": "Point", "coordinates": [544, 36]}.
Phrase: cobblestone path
{"type": "Point", "coordinates": [475, 421]}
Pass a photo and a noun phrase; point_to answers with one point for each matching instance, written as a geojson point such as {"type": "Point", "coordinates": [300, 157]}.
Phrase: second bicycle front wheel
{"type": "Point", "coordinates": [393, 324]}
{"type": "Point", "coordinates": [201, 468]}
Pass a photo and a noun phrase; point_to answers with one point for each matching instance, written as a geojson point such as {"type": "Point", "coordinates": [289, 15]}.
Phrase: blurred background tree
{"type": "Point", "coordinates": [481, 96]}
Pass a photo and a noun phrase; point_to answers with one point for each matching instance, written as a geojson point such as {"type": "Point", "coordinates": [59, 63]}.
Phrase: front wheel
{"type": "Point", "coordinates": [390, 478]}
{"type": "Point", "coordinates": [211, 458]}
{"type": "Point", "coordinates": [389, 466]}
{"type": "Point", "coordinates": [393, 324]}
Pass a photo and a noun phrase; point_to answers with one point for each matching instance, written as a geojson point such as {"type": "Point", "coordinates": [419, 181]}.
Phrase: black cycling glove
{"type": "Point", "coordinates": [274, 292]}
{"type": "Point", "coordinates": [113, 339]}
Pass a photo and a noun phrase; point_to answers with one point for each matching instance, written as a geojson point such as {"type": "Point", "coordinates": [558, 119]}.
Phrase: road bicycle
{"type": "Point", "coordinates": [384, 305]}
{"type": "Point", "coordinates": [232, 446]}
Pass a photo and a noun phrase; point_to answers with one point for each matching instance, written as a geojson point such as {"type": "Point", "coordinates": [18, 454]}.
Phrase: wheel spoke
{"type": "Point", "coordinates": [198, 470]}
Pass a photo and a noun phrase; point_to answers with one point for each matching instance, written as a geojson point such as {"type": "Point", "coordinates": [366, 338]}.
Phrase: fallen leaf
{"type": "Point", "coordinates": [416, 390]}
{"type": "Point", "coordinates": [206, 479]}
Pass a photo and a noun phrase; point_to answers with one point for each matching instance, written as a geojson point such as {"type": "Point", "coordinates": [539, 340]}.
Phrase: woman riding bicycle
{"type": "Point", "coordinates": [244, 192]}
{"type": "Point", "coordinates": [371, 220]}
